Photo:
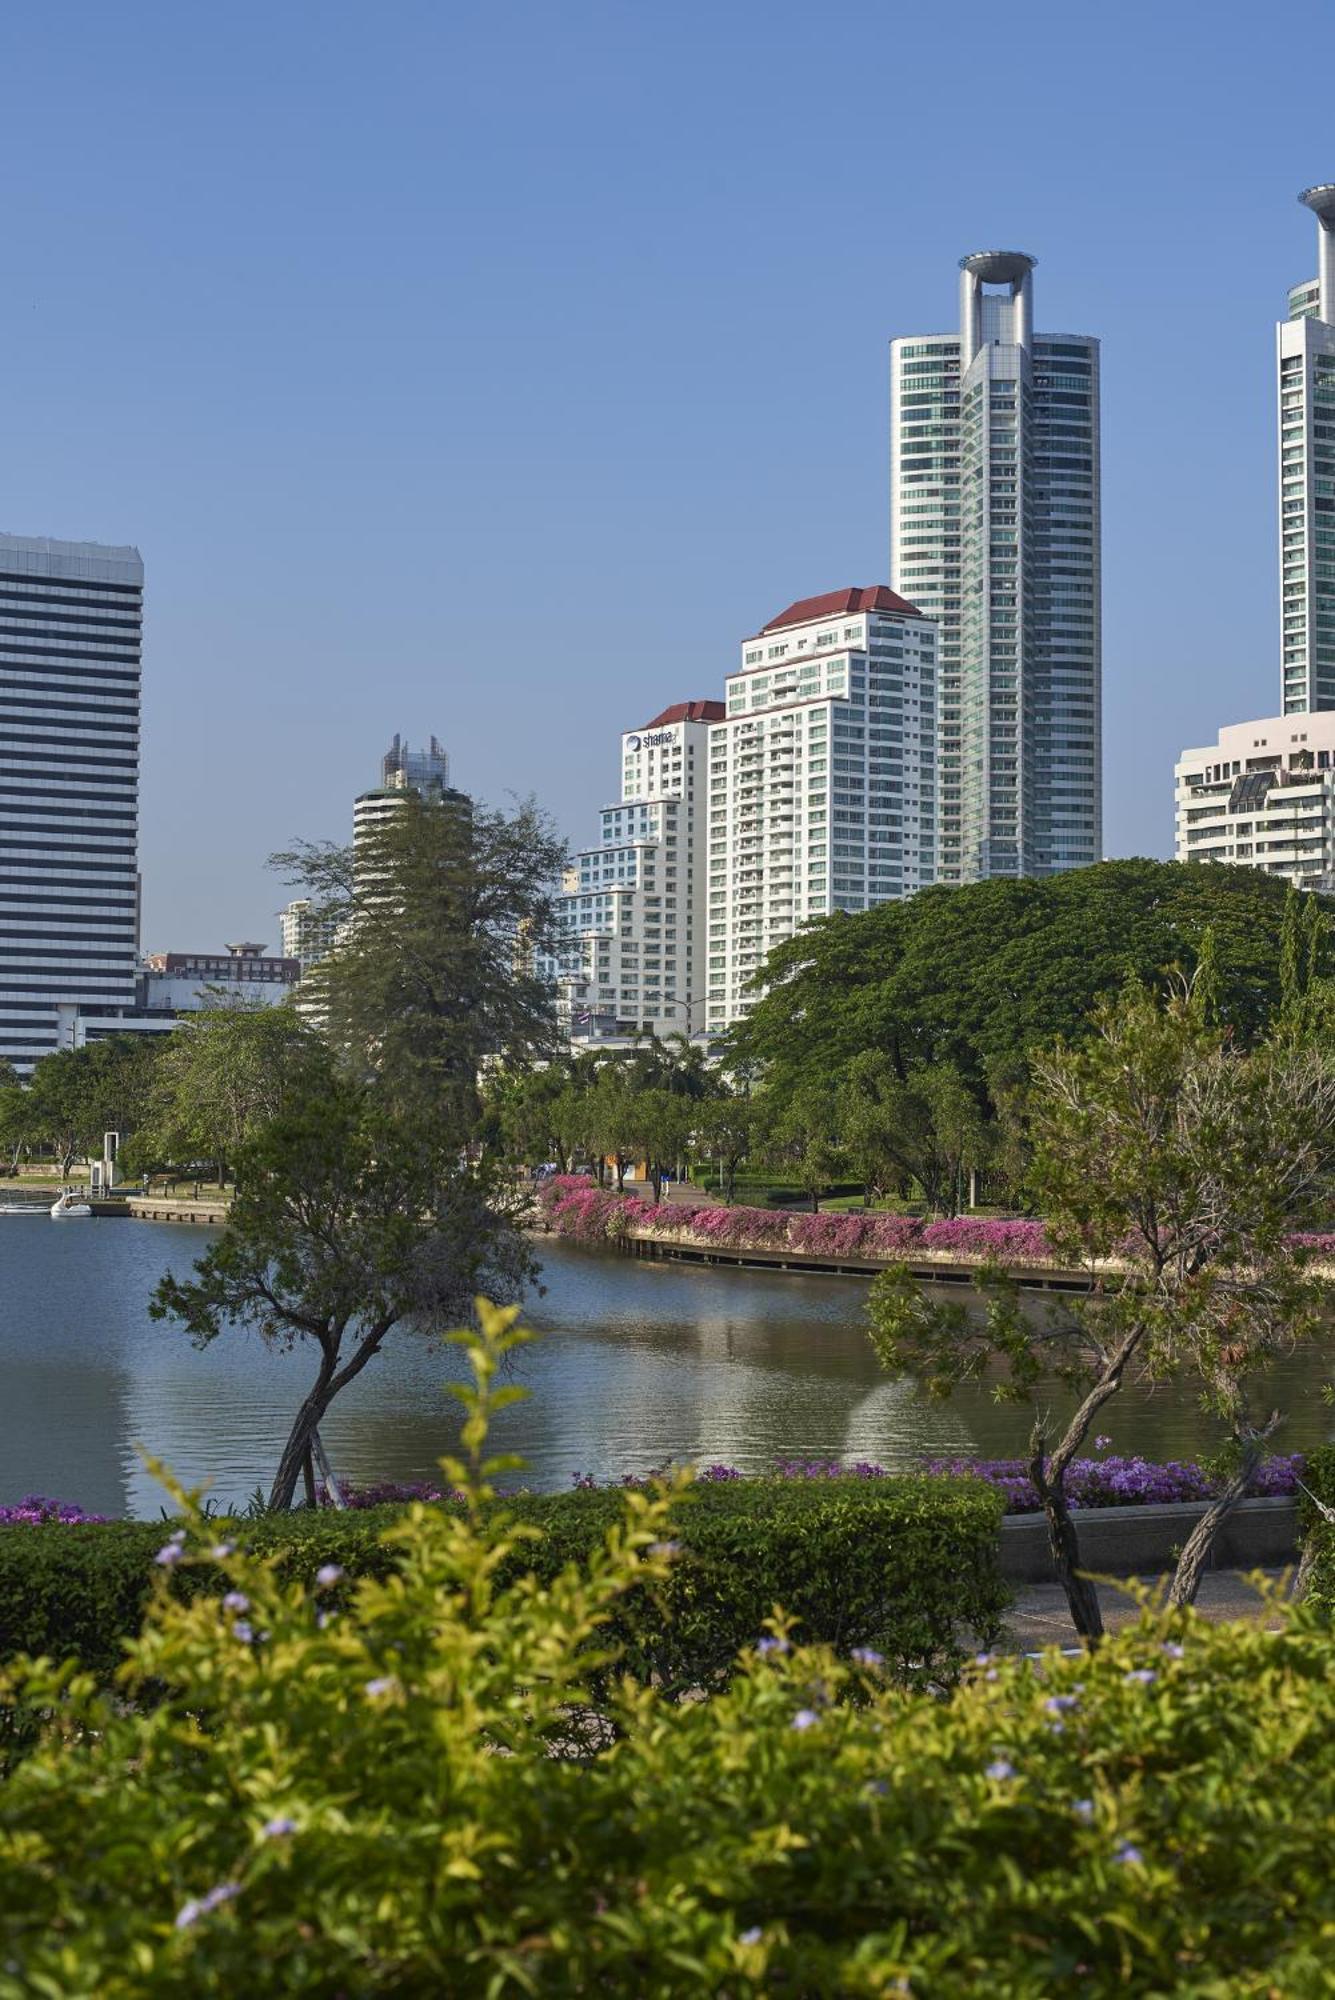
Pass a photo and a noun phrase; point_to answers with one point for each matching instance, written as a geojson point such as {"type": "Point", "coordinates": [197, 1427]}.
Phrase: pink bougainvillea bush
{"type": "Point", "coordinates": [576, 1208]}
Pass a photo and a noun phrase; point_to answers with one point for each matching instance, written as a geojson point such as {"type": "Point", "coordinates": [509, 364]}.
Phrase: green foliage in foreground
{"type": "Point", "coordinates": [906, 1565]}
{"type": "Point", "coordinates": [432, 1791]}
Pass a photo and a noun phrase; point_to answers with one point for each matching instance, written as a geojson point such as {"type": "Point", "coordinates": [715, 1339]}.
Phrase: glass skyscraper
{"type": "Point", "coordinates": [70, 621]}
{"type": "Point", "coordinates": [995, 534]}
{"type": "Point", "coordinates": [1305, 354]}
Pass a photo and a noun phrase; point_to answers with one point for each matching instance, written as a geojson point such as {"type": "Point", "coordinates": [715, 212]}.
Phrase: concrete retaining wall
{"type": "Point", "coordinates": [1145, 1541]}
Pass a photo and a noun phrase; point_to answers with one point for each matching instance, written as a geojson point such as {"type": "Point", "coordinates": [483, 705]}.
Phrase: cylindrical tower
{"type": "Point", "coordinates": [1321, 201]}
{"type": "Point", "coordinates": [995, 267]}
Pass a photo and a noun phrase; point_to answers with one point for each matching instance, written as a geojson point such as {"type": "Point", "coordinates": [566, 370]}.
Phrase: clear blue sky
{"type": "Point", "coordinates": [493, 369]}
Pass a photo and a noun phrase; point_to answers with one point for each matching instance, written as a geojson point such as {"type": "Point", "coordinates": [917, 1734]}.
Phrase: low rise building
{"type": "Point", "coordinates": [184, 981]}
{"type": "Point", "coordinates": [1262, 796]}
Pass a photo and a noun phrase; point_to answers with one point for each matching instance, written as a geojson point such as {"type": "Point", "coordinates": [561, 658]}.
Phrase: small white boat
{"type": "Point", "coordinates": [65, 1204]}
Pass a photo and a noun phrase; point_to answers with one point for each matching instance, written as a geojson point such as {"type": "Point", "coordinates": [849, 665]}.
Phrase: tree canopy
{"type": "Point", "coordinates": [977, 976]}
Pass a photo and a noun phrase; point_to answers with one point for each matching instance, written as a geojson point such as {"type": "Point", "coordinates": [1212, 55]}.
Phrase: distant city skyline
{"type": "Point", "coordinates": [429, 421]}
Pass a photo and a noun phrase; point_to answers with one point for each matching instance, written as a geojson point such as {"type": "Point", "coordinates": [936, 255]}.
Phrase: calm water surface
{"type": "Point", "coordinates": [641, 1363]}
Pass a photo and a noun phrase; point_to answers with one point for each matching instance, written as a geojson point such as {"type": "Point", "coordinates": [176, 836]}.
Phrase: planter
{"type": "Point", "coordinates": [1146, 1540]}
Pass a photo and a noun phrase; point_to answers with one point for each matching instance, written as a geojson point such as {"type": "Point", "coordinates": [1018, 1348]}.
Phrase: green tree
{"type": "Point", "coordinates": [929, 1129]}
{"type": "Point", "coordinates": [76, 1095]}
{"type": "Point", "coordinates": [986, 972]}
{"type": "Point", "coordinates": [446, 906]}
{"type": "Point", "coordinates": [725, 1130]}
{"type": "Point", "coordinates": [1174, 1166]}
{"type": "Point", "coordinates": [217, 1080]}
{"type": "Point", "coordinates": [799, 1136]}
{"type": "Point", "coordinates": [348, 1222]}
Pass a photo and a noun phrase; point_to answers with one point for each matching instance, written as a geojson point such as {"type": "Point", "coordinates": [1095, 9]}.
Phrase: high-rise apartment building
{"type": "Point", "coordinates": [996, 535]}
{"type": "Point", "coordinates": [631, 914]}
{"type": "Point", "coordinates": [70, 628]}
{"type": "Point", "coordinates": [821, 778]}
{"type": "Point", "coordinates": [1305, 358]}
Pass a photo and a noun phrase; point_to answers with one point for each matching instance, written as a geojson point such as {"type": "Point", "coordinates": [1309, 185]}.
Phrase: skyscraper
{"type": "Point", "coordinates": [70, 625]}
{"type": "Point", "coordinates": [1305, 356]}
{"type": "Point", "coordinates": [995, 533]}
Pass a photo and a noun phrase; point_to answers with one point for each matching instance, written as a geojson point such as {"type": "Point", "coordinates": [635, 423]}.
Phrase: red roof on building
{"type": "Point", "coordinates": [689, 711]}
{"type": "Point", "coordinates": [841, 604]}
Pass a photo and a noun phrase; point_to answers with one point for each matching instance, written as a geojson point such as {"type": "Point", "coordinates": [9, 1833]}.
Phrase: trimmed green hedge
{"type": "Point", "coordinates": [906, 1565]}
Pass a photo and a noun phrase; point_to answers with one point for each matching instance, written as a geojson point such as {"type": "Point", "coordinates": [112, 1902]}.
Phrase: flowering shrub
{"type": "Point", "coordinates": [574, 1207]}
{"type": "Point", "coordinates": [1101, 1482]}
{"type": "Point", "coordinates": [34, 1509]}
{"type": "Point", "coordinates": [438, 1787]}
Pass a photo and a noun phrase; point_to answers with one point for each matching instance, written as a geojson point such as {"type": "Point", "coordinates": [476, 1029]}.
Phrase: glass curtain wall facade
{"type": "Point", "coordinates": [996, 533]}
{"type": "Point", "coordinates": [70, 633]}
{"type": "Point", "coordinates": [1305, 354]}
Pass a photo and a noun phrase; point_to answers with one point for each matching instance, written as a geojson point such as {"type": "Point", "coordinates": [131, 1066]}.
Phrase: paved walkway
{"type": "Point", "coordinates": [1039, 1616]}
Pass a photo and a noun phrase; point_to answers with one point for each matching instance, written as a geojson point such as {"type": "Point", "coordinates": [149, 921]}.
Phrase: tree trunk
{"type": "Point", "coordinates": [296, 1452]}
{"type": "Point", "coordinates": [814, 1197]}
{"type": "Point", "coordinates": [656, 1181]}
{"type": "Point", "coordinates": [1196, 1549]}
{"type": "Point", "coordinates": [1081, 1594]}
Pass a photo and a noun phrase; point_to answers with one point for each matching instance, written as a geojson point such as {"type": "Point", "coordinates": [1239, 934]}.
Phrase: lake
{"type": "Point", "coordinates": [640, 1363]}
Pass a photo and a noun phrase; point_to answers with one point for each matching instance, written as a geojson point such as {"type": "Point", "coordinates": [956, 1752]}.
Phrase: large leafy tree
{"type": "Point", "coordinates": [348, 1222]}
{"type": "Point", "coordinates": [218, 1078]}
{"type": "Point", "coordinates": [979, 975]}
{"type": "Point", "coordinates": [76, 1095]}
{"type": "Point", "coordinates": [1175, 1166]}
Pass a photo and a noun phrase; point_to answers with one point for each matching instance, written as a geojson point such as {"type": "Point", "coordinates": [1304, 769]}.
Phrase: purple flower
{"type": "Point", "coordinates": [1127, 1854]}
{"type": "Point", "coordinates": [1102, 1443]}
{"type": "Point", "coordinates": [805, 1718]}
{"type": "Point", "coordinates": [665, 1548]}
{"type": "Point", "coordinates": [983, 1659]}
{"type": "Point", "coordinates": [752, 1936]}
{"type": "Point", "coordinates": [867, 1656]}
{"type": "Point", "coordinates": [384, 1684]}
{"type": "Point", "coordinates": [242, 1631]}
{"type": "Point", "coordinates": [1173, 1650]}
{"type": "Point", "coordinates": [1058, 1704]}
{"type": "Point", "coordinates": [168, 1555]}
{"type": "Point", "coordinates": [1142, 1675]}
{"type": "Point", "coordinates": [999, 1769]}
{"type": "Point", "coordinates": [221, 1550]}
{"type": "Point", "coordinates": [236, 1600]}
{"type": "Point", "coordinates": [1083, 1809]}
{"type": "Point", "coordinates": [191, 1912]}
{"type": "Point", "coordinates": [328, 1575]}
{"type": "Point", "coordinates": [275, 1829]}
{"type": "Point", "coordinates": [769, 1644]}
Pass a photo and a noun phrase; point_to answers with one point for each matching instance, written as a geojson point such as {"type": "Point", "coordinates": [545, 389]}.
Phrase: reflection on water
{"type": "Point", "coordinates": [641, 1363]}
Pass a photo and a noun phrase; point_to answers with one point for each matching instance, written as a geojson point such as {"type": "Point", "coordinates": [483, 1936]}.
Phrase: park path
{"type": "Point", "coordinates": [1039, 1616]}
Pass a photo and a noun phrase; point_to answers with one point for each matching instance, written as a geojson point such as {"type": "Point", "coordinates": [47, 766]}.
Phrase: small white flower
{"type": "Point", "coordinates": [328, 1575]}
{"type": "Point", "coordinates": [999, 1770]}
{"type": "Point", "coordinates": [276, 1828]}
{"type": "Point", "coordinates": [806, 1718]}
